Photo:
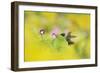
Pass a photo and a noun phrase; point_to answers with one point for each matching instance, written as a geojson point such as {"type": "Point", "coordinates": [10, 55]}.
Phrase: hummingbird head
{"type": "Point", "coordinates": [62, 34]}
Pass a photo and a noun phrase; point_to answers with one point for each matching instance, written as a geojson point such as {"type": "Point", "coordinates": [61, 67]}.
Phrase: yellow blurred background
{"type": "Point", "coordinates": [43, 47]}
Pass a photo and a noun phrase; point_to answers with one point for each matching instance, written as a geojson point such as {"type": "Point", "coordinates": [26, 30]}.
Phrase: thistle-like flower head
{"type": "Point", "coordinates": [42, 31]}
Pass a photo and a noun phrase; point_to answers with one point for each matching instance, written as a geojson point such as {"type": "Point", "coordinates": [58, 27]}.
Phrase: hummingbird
{"type": "Point", "coordinates": [68, 38]}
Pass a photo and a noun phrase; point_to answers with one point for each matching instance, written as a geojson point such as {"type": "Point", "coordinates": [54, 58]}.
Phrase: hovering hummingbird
{"type": "Point", "coordinates": [68, 38]}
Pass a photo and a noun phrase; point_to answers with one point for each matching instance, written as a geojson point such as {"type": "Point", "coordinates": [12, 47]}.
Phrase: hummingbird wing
{"type": "Point", "coordinates": [70, 42]}
{"type": "Point", "coordinates": [68, 38]}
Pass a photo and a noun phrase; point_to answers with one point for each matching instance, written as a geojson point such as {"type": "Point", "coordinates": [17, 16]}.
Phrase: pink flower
{"type": "Point", "coordinates": [55, 32]}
